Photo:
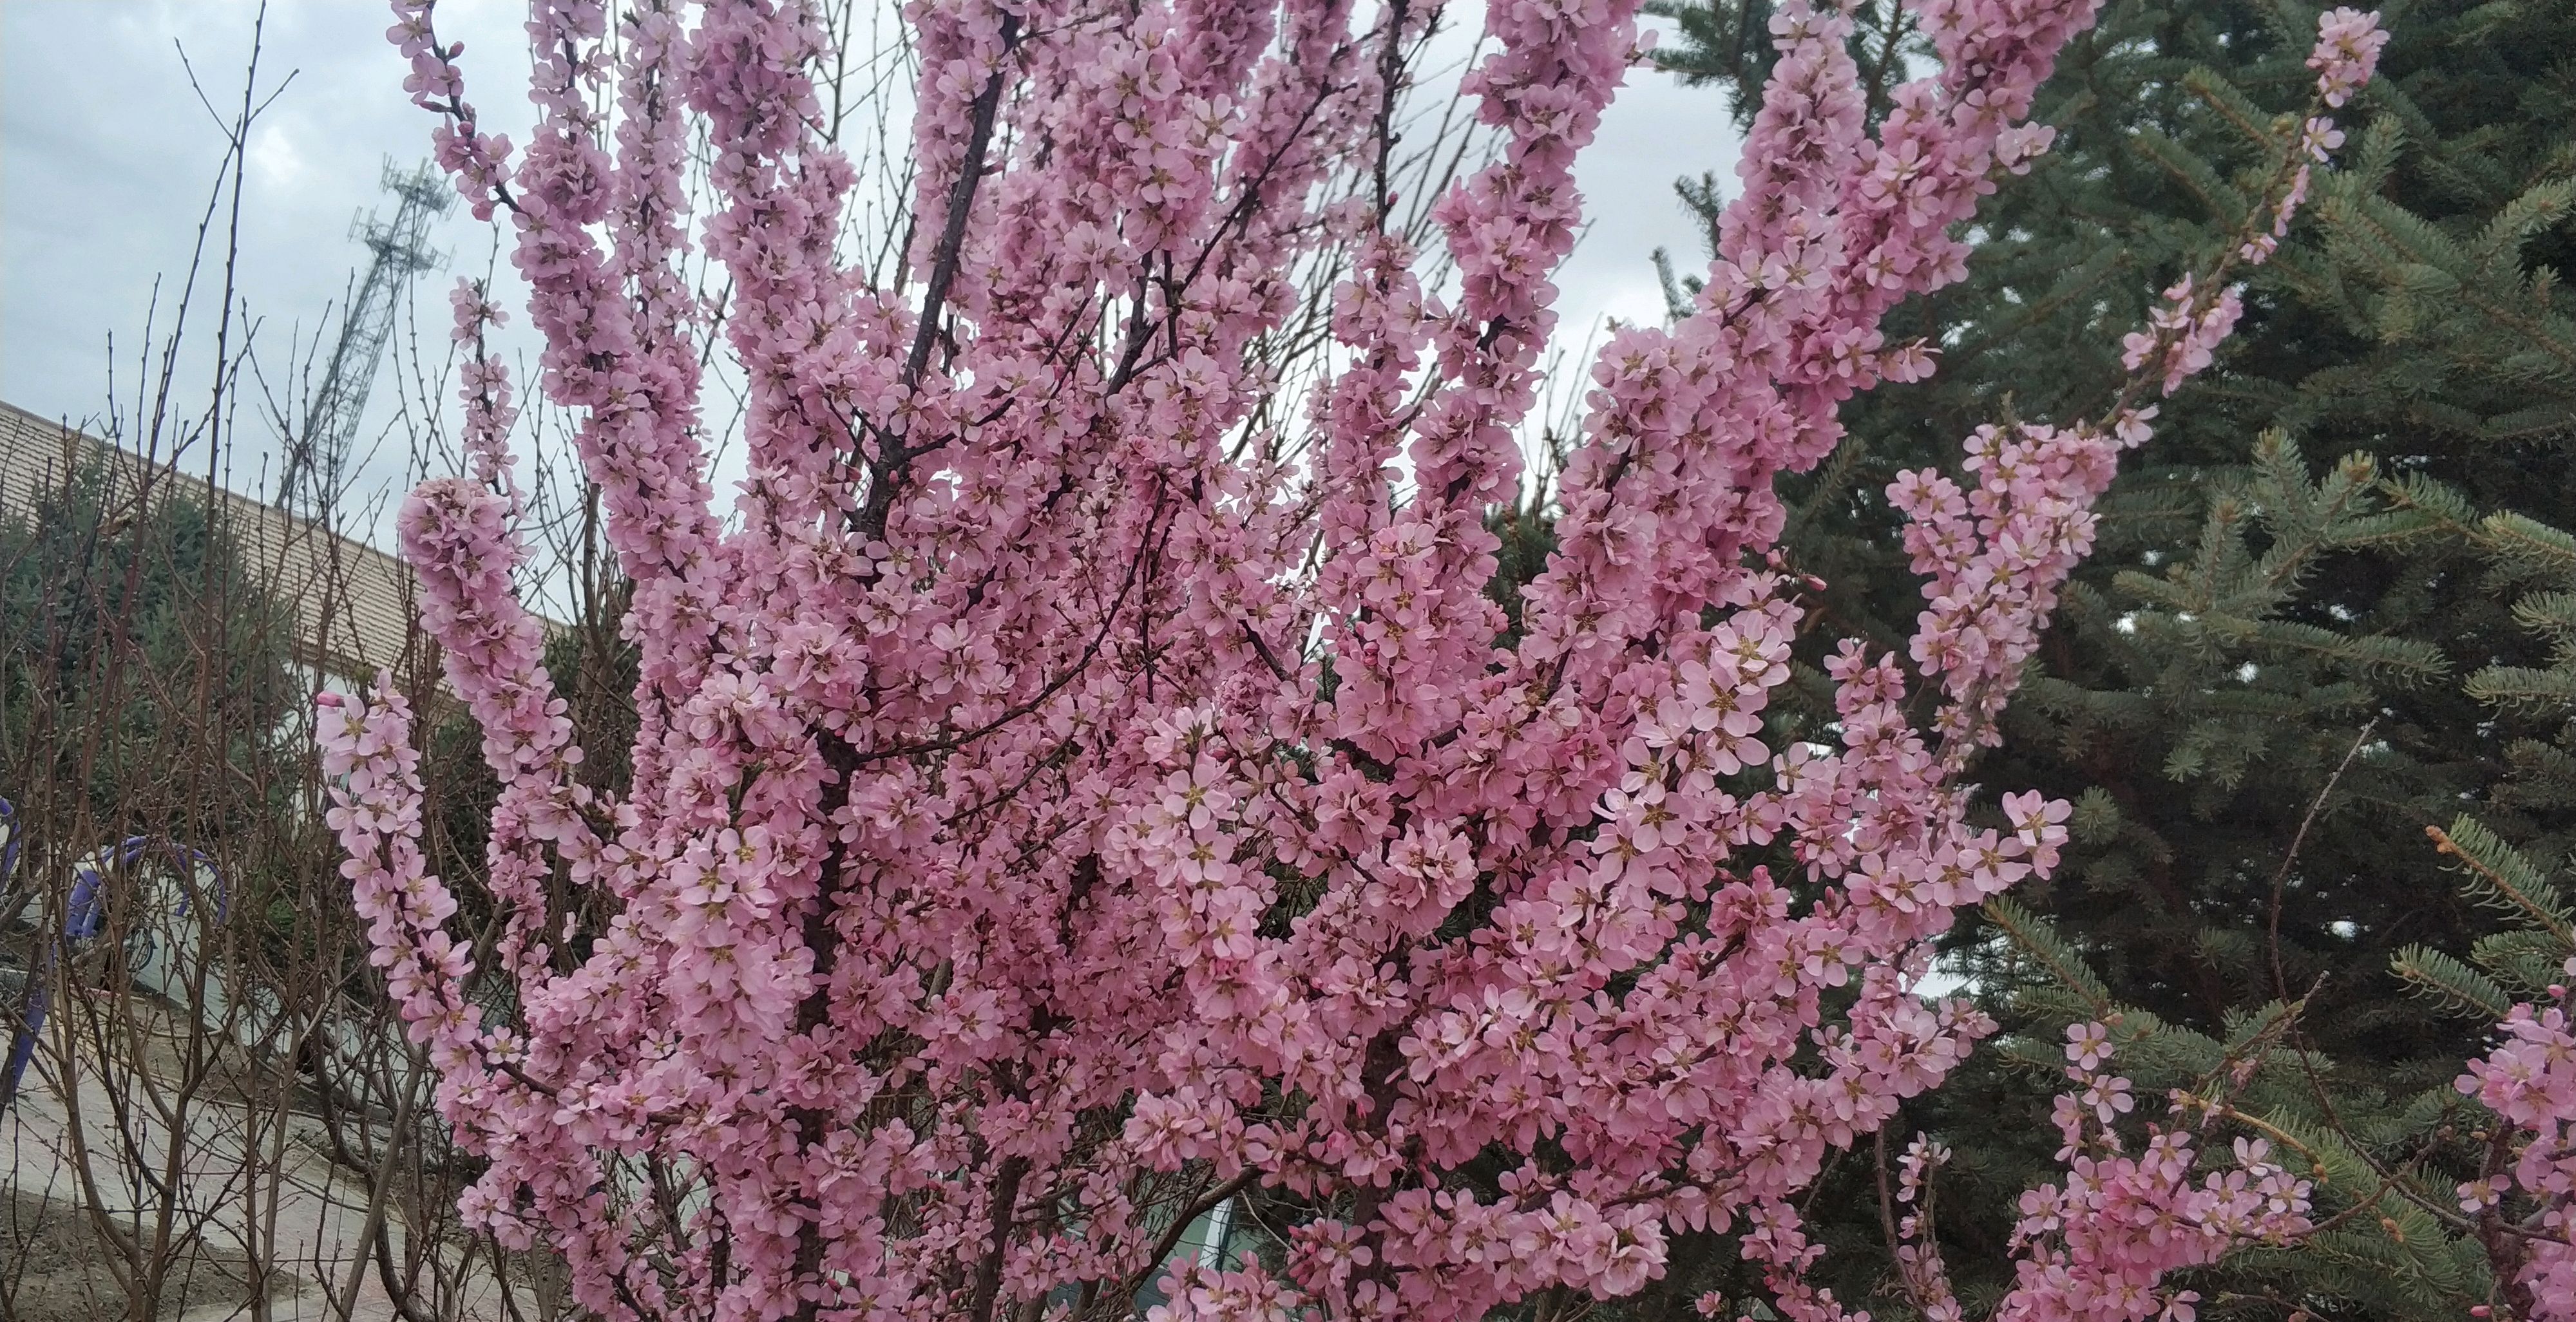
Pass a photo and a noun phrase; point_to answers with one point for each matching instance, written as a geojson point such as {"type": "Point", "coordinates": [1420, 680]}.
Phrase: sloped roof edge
{"type": "Point", "coordinates": [354, 605]}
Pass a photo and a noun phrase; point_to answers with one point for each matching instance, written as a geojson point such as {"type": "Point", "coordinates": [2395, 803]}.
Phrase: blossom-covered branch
{"type": "Point", "coordinates": [1063, 801]}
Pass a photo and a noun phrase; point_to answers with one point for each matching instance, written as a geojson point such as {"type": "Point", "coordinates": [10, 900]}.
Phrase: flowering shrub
{"type": "Point", "coordinates": [1065, 799]}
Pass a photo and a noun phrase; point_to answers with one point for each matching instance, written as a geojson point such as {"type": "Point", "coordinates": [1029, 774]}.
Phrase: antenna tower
{"type": "Point", "coordinates": [315, 460]}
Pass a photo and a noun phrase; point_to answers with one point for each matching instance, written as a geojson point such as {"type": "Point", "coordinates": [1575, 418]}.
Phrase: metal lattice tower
{"type": "Point", "coordinates": [315, 459]}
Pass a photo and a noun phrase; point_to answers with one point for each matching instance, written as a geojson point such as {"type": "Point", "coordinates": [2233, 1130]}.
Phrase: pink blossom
{"type": "Point", "coordinates": [2529, 1081]}
{"type": "Point", "coordinates": [2096, 1245]}
{"type": "Point", "coordinates": [2347, 53]}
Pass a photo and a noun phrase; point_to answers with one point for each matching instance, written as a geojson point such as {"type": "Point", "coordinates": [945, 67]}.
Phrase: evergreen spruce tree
{"type": "Point", "coordinates": [2318, 620]}
{"type": "Point", "coordinates": [138, 642]}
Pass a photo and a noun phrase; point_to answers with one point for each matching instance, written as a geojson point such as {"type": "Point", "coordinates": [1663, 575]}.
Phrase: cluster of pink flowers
{"type": "Point", "coordinates": [2096, 1246]}
{"type": "Point", "coordinates": [2187, 330]}
{"type": "Point", "coordinates": [1998, 553]}
{"type": "Point", "coordinates": [376, 802]}
{"type": "Point", "coordinates": [2347, 52]}
{"type": "Point", "coordinates": [1067, 794]}
{"type": "Point", "coordinates": [2529, 1081]}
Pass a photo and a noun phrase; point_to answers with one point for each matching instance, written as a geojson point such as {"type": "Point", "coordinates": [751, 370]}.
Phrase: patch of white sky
{"type": "Point", "coordinates": [107, 159]}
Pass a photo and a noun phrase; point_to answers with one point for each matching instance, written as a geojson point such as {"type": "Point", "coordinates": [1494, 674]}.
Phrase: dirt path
{"type": "Point", "coordinates": [306, 1213]}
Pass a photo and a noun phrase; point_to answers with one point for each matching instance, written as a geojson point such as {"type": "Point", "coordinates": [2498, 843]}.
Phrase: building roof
{"type": "Point", "coordinates": [353, 604]}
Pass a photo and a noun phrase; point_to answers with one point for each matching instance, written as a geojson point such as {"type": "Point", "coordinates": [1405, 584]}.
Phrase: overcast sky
{"type": "Point", "coordinates": [107, 158]}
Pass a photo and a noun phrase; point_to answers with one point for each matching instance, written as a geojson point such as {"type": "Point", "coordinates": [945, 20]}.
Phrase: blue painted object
{"type": "Point", "coordinates": [29, 1013]}
{"type": "Point", "coordinates": [85, 920]}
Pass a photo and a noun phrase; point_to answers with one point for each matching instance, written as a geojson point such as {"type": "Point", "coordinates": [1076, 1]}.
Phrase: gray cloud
{"type": "Point", "coordinates": [107, 159]}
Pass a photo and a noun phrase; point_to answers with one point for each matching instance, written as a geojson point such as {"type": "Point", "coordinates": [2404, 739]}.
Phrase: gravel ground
{"type": "Point", "coordinates": [55, 1268]}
